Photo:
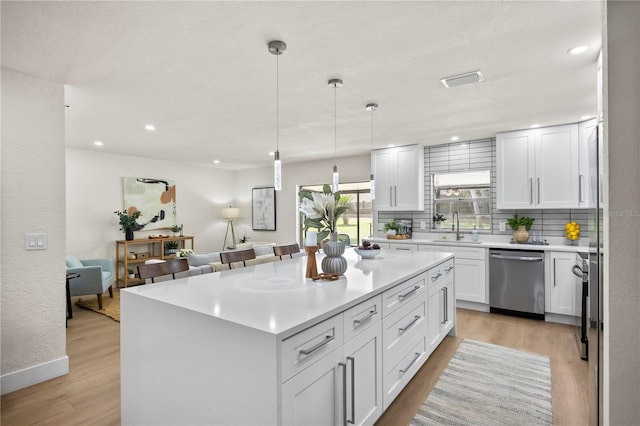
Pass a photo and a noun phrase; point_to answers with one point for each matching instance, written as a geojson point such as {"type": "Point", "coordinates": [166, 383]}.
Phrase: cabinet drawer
{"type": "Point", "coordinates": [403, 326]}
{"type": "Point", "coordinates": [360, 317]}
{"type": "Point", "coordinates": [436, 274]}
{"type": "Point", "coordinates": [303, 349]}
{"type": "Point", "coordinates": [402, 294]}
{"type": "Point", "coordinates": [401, 246]}
{"type": "Point", "coordinates": [447, 268]}
{"type": "Point", "coordinates": [401, 368]}
{"type": "Point", "coordinates": [470, 253]}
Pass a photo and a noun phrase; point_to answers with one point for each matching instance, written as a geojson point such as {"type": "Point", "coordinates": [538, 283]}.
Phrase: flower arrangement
{"type": "Point", "coordinates": [183, 252]}
{"type": "Point", "coordinates": [128, 218]}
{"type": "Point", "coordinates": [515, 221]}
{"type": "Point", "coordinates": [322, 210]}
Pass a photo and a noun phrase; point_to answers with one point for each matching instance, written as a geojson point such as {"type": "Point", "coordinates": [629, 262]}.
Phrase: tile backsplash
{"type": "Point", "coordinates": [481, 155]}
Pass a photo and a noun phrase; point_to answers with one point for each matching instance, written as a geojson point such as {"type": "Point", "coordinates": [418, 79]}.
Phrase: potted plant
{"type": "Point", "coordinates": [392, 228]}
{"type": "Point", "coordinates": [521, 226]}
{"type": "Point", "coordinates": [175, 229]}
{"type": "Point", "coordinates": [171, 247]}
{"type": "Point", "coordinates": [131, 272]}
{"type": "Point", "coordinates": [127, 220]}
{"type": "Point", "coordinates": [438, 220]}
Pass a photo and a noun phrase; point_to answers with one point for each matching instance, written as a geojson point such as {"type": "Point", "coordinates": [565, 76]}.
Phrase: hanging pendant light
{"type": "Point", "coordinates": [335, 83]}
{"type": "Point", "coordinates": [277, 48]}
{"type": "Point", "coordinates": [372, 180]}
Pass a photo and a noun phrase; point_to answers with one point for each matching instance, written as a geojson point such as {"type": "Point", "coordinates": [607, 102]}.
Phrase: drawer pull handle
{"type": "Point", "coordinates": [436, 276]}
{"type": "Point", "coordinates": [344, 392]}
{"type": "Point", "coordinates": [412, 362]}
{"type": "Point", "coordinates": [371, 314]}
{"type": "Point", "coordinates": [413, 290]}
{"type": "Point", "coordinates": [408, 326]}
{"type": "Point", "coordinates": [312, 349]}
{"type": "Point", "coordinates": [449, 268]}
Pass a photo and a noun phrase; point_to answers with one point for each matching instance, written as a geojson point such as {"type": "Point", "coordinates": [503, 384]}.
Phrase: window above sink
{"type": "Point", "coordinates": [468, 193]}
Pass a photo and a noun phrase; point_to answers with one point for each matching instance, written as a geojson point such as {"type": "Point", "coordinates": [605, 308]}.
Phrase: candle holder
{"type": "Point", "coordinates": [312, 267]}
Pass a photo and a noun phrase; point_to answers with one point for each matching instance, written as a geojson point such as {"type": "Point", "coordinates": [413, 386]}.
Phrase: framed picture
{"type": "Point", "coordinates": [263, 209]}
{"type": "Point", "coordinates": [154, 198]}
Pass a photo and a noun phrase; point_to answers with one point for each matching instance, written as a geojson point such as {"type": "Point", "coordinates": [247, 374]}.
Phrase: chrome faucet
{"type": "Point", "coordinates": [456, 227]}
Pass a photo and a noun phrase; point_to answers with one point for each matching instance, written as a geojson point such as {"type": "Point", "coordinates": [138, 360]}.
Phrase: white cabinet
{"type": "Point", "coordinates": [588, 163]}
{"type": "Point", "coordinates": [399, 174]}
{"type": "Point", "coordinates": [441, 308]}
{"type": "Point", "coordinates": [401, 246]}
{"type": "Point", "coordinates": [561, 284]}
{"type": "Point", "coordinates": [537, 168]}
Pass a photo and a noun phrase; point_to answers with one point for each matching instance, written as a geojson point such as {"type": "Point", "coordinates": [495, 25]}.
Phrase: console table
{"type": "Point", "coordinates": [154, 248]}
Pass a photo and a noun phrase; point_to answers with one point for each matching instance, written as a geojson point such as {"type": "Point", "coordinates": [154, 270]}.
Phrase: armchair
{"type": "Point", "coordinates": [96, 276]}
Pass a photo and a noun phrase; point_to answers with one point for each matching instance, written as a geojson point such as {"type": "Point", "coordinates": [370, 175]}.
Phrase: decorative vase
{"type": "Point", "coordinates": [128, 234]}
{"type": "Point", "coordinates": [333, 262]}
{"type": "Point", "coordinates": [521, 235]}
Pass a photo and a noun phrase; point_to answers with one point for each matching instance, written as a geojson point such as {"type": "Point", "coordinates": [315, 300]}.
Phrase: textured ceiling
{"type": "Point", "coordinates": [202, 74]}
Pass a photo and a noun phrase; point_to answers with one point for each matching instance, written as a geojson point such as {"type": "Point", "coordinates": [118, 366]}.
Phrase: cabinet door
{"type": "Point", "coordinates": [435, 317]}
{"type": "Point", "coordinates": [409, 181]}
{"type": "Point", "coordinates": [588, 163]}
{"type": "Point", "coordinates": [363, 356]}
{"type": "Point", "coordinates": [515, 169]}
{"type": "Point", "coordinates": [315, 396]}
{"type": "Point", "coordinates": [383, 166]}
{"type": "Point", "coordinates": [448, 307]}
{"type": "Point", "coordinates": [471, 283]}
{"type": "Point", "coordinates": [561, 287]}
{"type": "Point", "coordinates": [556, 165]}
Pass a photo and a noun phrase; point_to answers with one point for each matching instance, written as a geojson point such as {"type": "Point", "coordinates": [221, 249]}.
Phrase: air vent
{"type": "Point", "coordinates": [461, 79]}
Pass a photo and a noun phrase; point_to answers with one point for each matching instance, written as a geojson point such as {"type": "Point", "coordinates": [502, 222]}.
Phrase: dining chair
{"type": "Point", "coordinates": [230, 257]}
{"type": "Point", "coordinates": [346, 240]}
{"type": "Point", "coordinates": [169, 267]}
{"type": "Point", "coordinates": [284, 250]}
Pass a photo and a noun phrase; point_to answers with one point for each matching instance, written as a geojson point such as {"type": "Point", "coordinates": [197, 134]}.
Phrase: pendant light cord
{"type": "Point", "coordinates": [372, 129]}
{"type": "Point", "coordinates": [335, 123]}
{"type": "Point", "coordinates": [277, 104]}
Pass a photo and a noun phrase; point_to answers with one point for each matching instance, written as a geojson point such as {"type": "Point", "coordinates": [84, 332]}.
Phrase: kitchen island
{"type": "Point", "coordinates": [265, 345]}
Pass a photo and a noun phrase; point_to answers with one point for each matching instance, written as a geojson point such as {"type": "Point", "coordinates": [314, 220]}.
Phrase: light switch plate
{"type": "Point", "coordinates": [35, 242]}
{"type": "Point", "coordinates": [503, 226]}
{"type": "Point", "coordinates": [423, 225]}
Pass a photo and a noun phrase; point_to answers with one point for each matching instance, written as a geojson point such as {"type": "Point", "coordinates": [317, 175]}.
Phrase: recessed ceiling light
{"type": "Point", "coordinates": [150, 127]}
{"type": "Point", "coordinates": [216, 161]}
{"type": "Point", "coordinates": [98, 143]}
{"type": "Point", "coordinates": [454, 138]}
{"type": "Point", "coordinates": [586, 117]}
{"type": "Point", "coordinates": [535, 126]}
{"type": "Point", "coordinates": [578, 50]}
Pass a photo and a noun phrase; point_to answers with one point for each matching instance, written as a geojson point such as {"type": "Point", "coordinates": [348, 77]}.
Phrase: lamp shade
{"type": "Point", "coordinates": [230, 213]}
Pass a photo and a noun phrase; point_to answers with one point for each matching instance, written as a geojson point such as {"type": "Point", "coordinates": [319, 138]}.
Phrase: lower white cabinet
{"type": "Point", "coordinates": [441, 310]}
{"type": "Point", "coordinates": [561, 287]}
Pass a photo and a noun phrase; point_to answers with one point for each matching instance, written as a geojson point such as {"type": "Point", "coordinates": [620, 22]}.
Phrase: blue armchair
{"type": "Point", "coordinates": [96, 276]}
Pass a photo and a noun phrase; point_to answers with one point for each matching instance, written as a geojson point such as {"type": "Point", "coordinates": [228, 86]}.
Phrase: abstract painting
{"type": "Point", "coordinates": [154, 198]}
{"type": "Point", "coordinates": [264, 209]}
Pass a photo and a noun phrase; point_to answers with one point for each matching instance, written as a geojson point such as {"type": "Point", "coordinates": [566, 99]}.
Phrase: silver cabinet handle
{"type": "Point", "coordinates": [408, 293]}
{"type": "Point", "coordinates": [530, 190]}
{"type": "Point", "coordinates": [538, 190]}
{"type": "Point", "coordinates": [353, 389]}
{"type": "Point", "coordinates": [523, 258]}
{"type": "Point", "coordinates": [436, 276]}
{"type": "Point", "coordinates": [580, 183]}
{"type": "Point", "coordinates": [312, 349]}
{"type": "Point", "coordinates": [395, 194]}
{"type": "Point", "coordinates": [344, 392]}
{"type": "Point", "coordinates": [390, 196]}
{"type": "Point", "coordinates": [403, 248]}
{"type": "Point", "coordinates": [554, 272]}
{"type": "Point", "coordinates": [371, 314]}
{"type": "Point", "coordinates": [412, 362]}
{"type": "Point", "coordinates": [408, 326]}
{"type": "Point", "coordinates": [449, 268]}
{"type": "Point", "coordinates": [446, 305]}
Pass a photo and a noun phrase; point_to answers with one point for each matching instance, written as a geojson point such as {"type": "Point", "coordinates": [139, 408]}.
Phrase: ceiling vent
{"type": "Point", "coordinates": [459, 80]}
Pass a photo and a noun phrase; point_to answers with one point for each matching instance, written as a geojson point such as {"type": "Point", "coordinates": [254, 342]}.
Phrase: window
{"type": "Point", "coordinates": [468, 193]}
{"type": "Point", "coordinates": [356, 222]}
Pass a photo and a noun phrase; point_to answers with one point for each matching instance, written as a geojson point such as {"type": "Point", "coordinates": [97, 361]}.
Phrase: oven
{"type": "Point", "coordinates": [581, 270]}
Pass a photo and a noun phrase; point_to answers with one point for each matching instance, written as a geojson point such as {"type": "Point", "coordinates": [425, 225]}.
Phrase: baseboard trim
{"type": "Point", "coordinates": [474, 306]}
{"type": "Point", "coordinates": [33, 375]}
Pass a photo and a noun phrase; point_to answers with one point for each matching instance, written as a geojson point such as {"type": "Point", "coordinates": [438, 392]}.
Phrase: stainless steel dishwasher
{"type": "Point", "coordinates": [516, 282]}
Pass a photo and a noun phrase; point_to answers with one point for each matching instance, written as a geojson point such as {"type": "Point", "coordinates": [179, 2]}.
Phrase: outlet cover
{"type": "Point", "coordinates": [503, 226]}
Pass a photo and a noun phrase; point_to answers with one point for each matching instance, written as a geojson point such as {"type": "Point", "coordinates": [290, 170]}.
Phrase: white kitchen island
{"type": "Point", "coordinates": [264, 345]}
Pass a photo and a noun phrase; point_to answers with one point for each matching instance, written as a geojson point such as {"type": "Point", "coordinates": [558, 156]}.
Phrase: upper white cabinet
{"type": "Point", "coordinates": [399, 175]}
{"type": "Point", "coordinates": [538, 168]}
{"type": "Point", "coordinates": [588, 163]}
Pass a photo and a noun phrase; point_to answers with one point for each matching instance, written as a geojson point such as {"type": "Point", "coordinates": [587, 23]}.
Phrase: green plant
{"type": "Point", "coordinates": [439, 218]}
{"type": "Point", "coordinates": [171, 245]}
{"type": "Point", "coordinates": [244, 239]}
{"type": "Point", "coordinates": [130, 271]}
{"type": "Point", "coordinates": [392, 226]}
{"type": "Point", "coordinates": [515, 221]}
{"type": "Point", "coordinates": [128, 220]}
{"type": "Point", "coordinates": [175, 228]}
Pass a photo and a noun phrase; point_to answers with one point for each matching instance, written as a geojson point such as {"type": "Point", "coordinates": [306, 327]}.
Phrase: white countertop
{"type": "Point", "coordinates": [490, 244]}
{"type": "Point", "coordinates": [276, 297]}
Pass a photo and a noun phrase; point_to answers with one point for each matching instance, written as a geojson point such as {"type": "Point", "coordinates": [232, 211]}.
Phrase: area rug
{"type": "Point", "coordinates": [110, 306]}
{"type": "Point", "coordinates": [486, 384]}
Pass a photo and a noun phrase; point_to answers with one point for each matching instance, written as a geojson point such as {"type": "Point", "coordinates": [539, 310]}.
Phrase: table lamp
{"type": "Point", "coordinates": [230, 213]}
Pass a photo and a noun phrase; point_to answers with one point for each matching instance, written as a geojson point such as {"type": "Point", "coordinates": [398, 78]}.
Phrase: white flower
{"type": "Point", "coordinates": [184, 252]}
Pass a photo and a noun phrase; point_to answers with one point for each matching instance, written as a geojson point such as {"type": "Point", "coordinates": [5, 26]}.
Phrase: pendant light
{"type": "Point", "coordinates": [335, 83]}
{"type": "Point", "coordinates": [277, 48]}
{"type": "Point", "coordinates": [372, 182]}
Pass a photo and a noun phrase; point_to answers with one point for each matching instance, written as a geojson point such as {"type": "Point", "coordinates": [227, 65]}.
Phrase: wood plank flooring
{"type": "Point", "coordinates": [90, 393]}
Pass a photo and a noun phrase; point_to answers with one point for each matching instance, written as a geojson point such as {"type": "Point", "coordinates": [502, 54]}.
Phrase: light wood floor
{"type": "Point", "coordinates": [90, 393]}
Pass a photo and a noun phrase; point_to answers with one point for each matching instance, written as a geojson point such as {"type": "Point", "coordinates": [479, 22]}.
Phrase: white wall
{"type": "Point", "coordinates": [33, 200]}
{"type": "Point", "coordinates": [621, 56]}
{"type": "Point", "coordinates": [352, 169]}
{"type": "Point", "coordinates": [94, 192]}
